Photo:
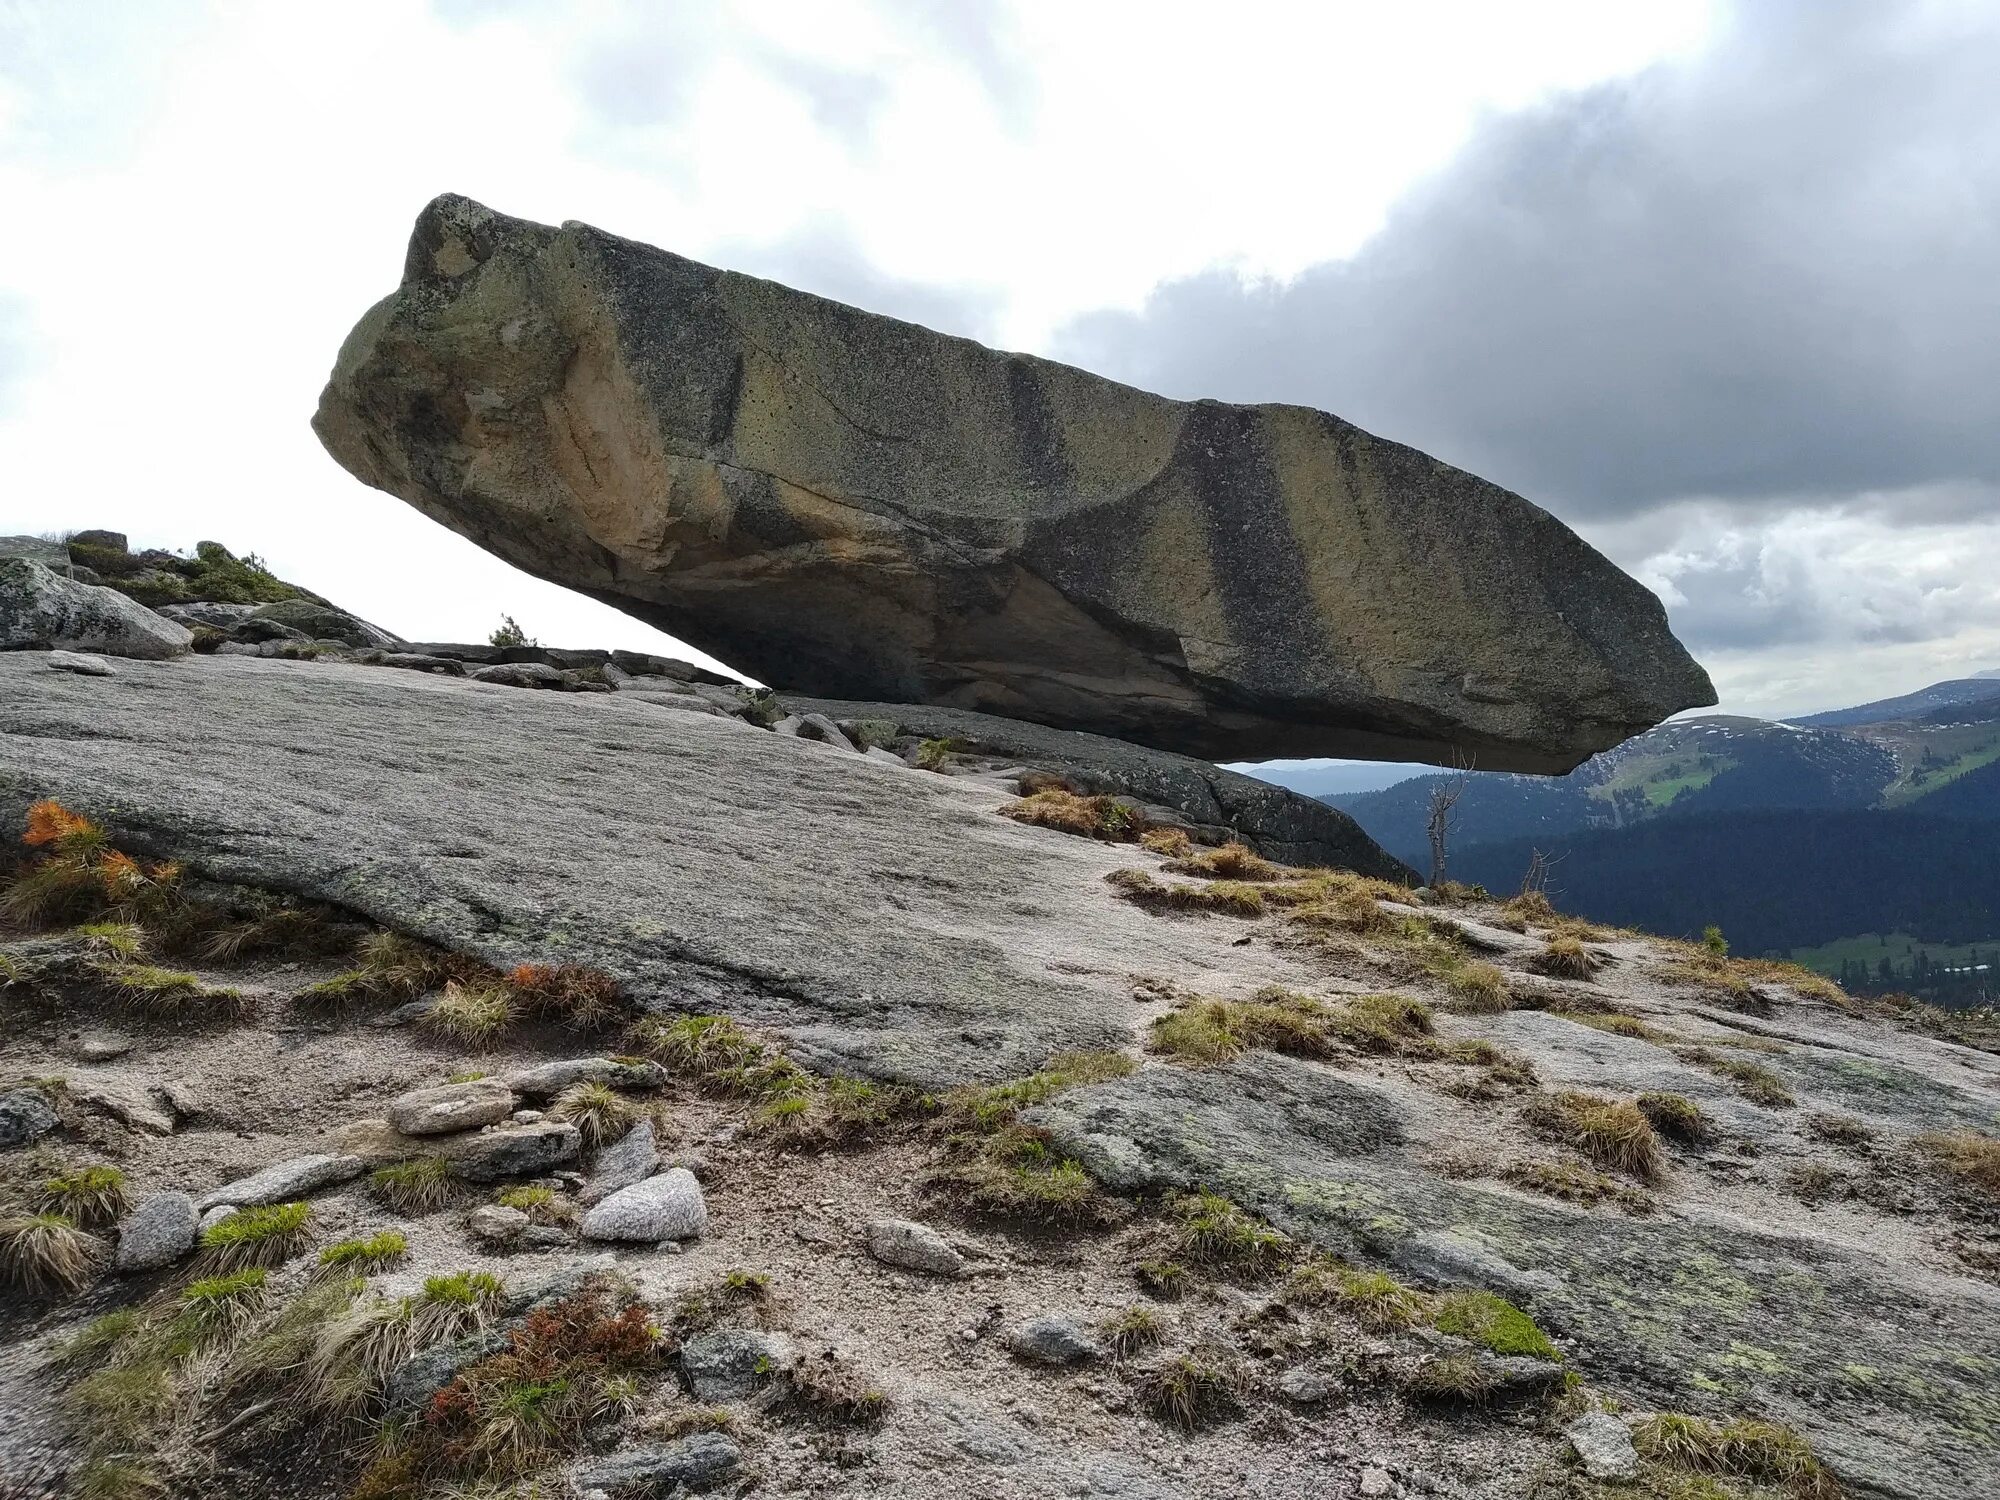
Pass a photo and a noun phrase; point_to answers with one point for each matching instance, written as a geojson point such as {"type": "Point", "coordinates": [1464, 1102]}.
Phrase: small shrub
{"type": "Point", "coordinates": [711, 1049]}
{"type": "Point", "coordinates": [92, 1197]}
{"type": "Point", "coordinates": [421, 1185]}
{"type": "Point", "coordinates": [1131, 1329]}
{"type": "Point", "coordinates": [267, 1236]}
{"type": "Point", "coordinates": [172, 994]}
{"type": "Point", "coordinates": [509, 634]}
{"type": "Point", "coordinates": [470, 1015]}
{"type": "Point", "coordinates": [599, 1112]}
{"type": "Point", "coordinates": [1611, 1132]}
{"type": "Point", "coordinates": [1713, 940]}
{"type": "Point", "coordinates": [360, 1257]}
{"type": "Point", "coordinates": [1192, 1389]}
{"type": "Point", "coordinates": [1493, 1323]}
{"type": "Point", "coordinates": [46, 1254]}
{"type": "Point", "coordinates": [1565, 957]}
{"type": "Point", "coordinates": [1676, 1117]}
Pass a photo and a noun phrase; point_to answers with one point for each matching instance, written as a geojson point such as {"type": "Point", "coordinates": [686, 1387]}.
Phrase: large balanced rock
{"type": "Point", "coordinates": [40, 609]}
{"type": "Point", "coordinates": [853, 506]}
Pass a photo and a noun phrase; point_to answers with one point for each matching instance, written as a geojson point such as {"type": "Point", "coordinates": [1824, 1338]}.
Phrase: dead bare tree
{"type": "Point", "coordinates": [1444, 797]}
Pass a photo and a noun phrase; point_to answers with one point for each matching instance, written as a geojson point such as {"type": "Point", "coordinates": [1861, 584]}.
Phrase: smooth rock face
{"type": "Point", "coordinates": [283, 1182]}
{"type": "Point", "coordinates": [41, 611]}
{"type": "Point", "coordinates": [157, 1233]}
{"type": "Point", "coordinates": [692, 1463]}
{"type": "Point", "coordinates": [666, 1207]}
{"type": "Point", "coordinates": [915, 1247]}
{"type": "Point", "coordinates": [630, 1159]}
{"type": "Point", "coordinates": [451, 1106]}
{"type": "Point", "coordinates": [1605, 1445]}
{"type": "Point", "coordinates": [855, 506]}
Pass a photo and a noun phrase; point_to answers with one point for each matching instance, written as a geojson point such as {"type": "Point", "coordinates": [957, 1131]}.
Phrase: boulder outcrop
{"type": "Point", "coordinates": [852, 506]}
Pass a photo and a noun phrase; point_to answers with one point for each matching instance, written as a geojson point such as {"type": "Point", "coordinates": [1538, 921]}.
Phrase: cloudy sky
{"type": "Point", "coordinates": [1714, 283]}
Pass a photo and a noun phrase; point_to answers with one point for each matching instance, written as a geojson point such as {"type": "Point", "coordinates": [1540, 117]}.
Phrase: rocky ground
{"type": "Point", "coordinates": [1710, 1187]}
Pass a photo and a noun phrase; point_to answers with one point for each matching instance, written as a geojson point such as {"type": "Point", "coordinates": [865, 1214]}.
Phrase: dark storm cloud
{"type": "Point", "coordinates": [1767, 272]}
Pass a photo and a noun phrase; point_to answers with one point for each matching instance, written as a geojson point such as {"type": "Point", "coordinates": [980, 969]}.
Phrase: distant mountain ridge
{"type": "Point", "coordinates": [1786, 834]}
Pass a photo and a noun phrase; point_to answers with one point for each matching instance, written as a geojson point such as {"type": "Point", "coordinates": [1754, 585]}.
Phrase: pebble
{"type": "Point", "coordinates": [1053, 1341]}
{"type": "Point", "coordinates": [1376, 1481]}
{"type": "Point", "coordinates": [103, 1046]}
{"type": "Point", "coordinates": [82, 663]}
{"type": "Point", "coordinates": [913, 1246]}
{"type": "Point", "coordinates": [1605, 1445]}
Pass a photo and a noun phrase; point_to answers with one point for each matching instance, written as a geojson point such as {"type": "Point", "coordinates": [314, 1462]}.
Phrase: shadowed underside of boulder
{"type": "Point", "coordinates": [852, 506]}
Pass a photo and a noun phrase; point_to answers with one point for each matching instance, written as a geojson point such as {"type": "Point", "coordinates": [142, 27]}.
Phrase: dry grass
{"type": "Point", "coordinates": [421, 1185]}
{"type": "Point", "coordinates": [1565, 957]}
{"type": "Point", "coordinates": [1231, 897]}
{"type": "Point", "coordinates": [1131, 1329]}
{"type": "Point", "coordinates": [1676, 1117]}
{"type": "Point", "coordinates": [1574, 1184]}
{"type": "Point", "coordinates": [1211, 1231]}
{"type": "Point", "coordinates": [1616, 1022]}
{"type": "Point", "coordinates": [1112, 819]}
{"type": "Point", "coordinates": [1457, 1379]}
{"type": "Point", "coordinates": [1379, 1303]}
{"type": "Point", "coordinates": [1760, 1451]}
{"type": "Point", "coordinates": [830, 1390]}
{"type": "Point", "coordinates": [47, 1255]}
{"type": "Point", "coordinates": [1173, 843]}
{"type": "Point", "coordinates": [570, 994]}
{"type": "Point", "coordinates": [1613, 1133]}
{"type": "Point", "coordinates": [1971, 1158]}
{"type": "Point", "coordinates": [1192, 1389]}
{"type": "Point", "coordinates": [1753, 1081]}
{"type": "Point", "coordinates": [1478, 989]}
{"type": "Point", "coordinates": [1841, 1130]}
{"type": "Point", "coordinates": [470, 1015]}
{"type": "Point", "coordinates": [599, 1112]}
{"type": "Point", "coordinates": [1229, 862]}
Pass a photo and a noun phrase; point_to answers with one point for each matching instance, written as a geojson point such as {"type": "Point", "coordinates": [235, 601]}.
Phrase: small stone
{"type": "Point", "coordinates": [544, 1237]}
{"type": "Point", "coordinates": [1376, 1481]}
{"type": "Point", "coordinates": [692, 1463]}
{"type": "Point", "coordinates": [497, 1224]}
{"type": "Point", "coordinates": [517, 1151]}
{"type": "Point", "coordinates": [215, 1215]}
{"type": "Point", "coordinates": [103, 1046]}
{"type": "Point", "coordinates": [157, 1233]}
{"type": "Point", "coordinates": [284, 1182]}
{"type": "Point", "coordinates": [549, 1079]}
{"type": "Point", "coordinates": [1605, 1445]}
{"type": "Point", "coordinates": [915, 1247]}
{"type": "Point", "coordinates": [667, 1207]}
{"type": "Point", "coordinates": [1053, 1341]}
{"type": "Point", "coordinates": [820, 727]}
{"type": "Point", "coordinates": [25, 1117]}
{"type": "Point", "coordinates": [1304, 1387]}
{"type": "Point", "coordinates": [125, 1101]}
{"type": "Point", "coordinates": [526, 1116]}
{"type": "Point", "coordinates": [630, 1159]}
{"type": "Point", "coordinates": [727, 1364]}
{"type": "Point", "coordinates": [82, 663]}
{"type": "Point", "coordinates": [451, 1107]}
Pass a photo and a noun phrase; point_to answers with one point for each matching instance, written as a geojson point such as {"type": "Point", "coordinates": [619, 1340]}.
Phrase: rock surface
{"type": "Point", "coordinates": [727, 1364]}
{"type": "Point", "coordinates": [518, 1151]}
{"type": "Point", "coordinates": [157, 1233]}
{"type": "Point", "coordinates": [913, 1246]}
{"type": "Point", "coordinates": [693, 1463]}
{"type": "Point", "coordinates": [82, 663]}
{"type": "Point", "coordinates": [451, 1107]}
{"type": "Point", "coordinates": [283, 1182]}
{"type": "Point", "coordinates": [630, 1159]}
{"type": "Point", "coordinates": [25, 1117]}
{"type": "Point", "coordinates": [666, 1207]}
{"type": "Point", "coordinates": [855, 506]}
{"type": "Point", "coordinates": [546, 1080]}
{"type": "Point", "coordinates": [41, 611]}
{"type": "Point", "coordinates": [1604, 1444]}
{"type": "Point", "coordinates": [1053, 1341]}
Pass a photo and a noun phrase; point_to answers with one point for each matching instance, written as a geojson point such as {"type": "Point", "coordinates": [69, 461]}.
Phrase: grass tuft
{"type": "Point", "coordinates": [267, 1236]}
{"type": "Point", "coordinates": [599, 1112]}
{"type": "Point", "coordinates": [360, 1257]}
{"type": "Point", "coordinates": [93, 1197]}
{"type": "Point", "coordinates": [1212, 1231]}
{"type": "Point", "coordinates": [1741, 1448]}
{"type": "Point", "coordinates": [1493, 1323]}
{"type": "Point", "coordinates": [1192, 1389]}
{"type": "Point", "coordinates": [1972, 1158]}
{"type": "Point", "coordinates": [1231, 861]}
{"type": "Point", "coordinates": [1753, 1081]}
{"type": "Point", "coordinates": [1611, 1132]}
{"type": "Point", "coordinates": [420, 1185]}
{"type": "Point", "coordinates": [1565, 957]}
{"type": "Point", "coordinates": [1676, 1117]}
{"type": "Point", "coordinates": [1478, 989]}
{"type": "Point", "coordinates": [470, 1015]}
{"type": "Point", "coordinates": [581, 998]}
{"type": "Point", "coordinates": [46, 1254]}
{"type": "Point", "coordinates": [1111, 819]}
